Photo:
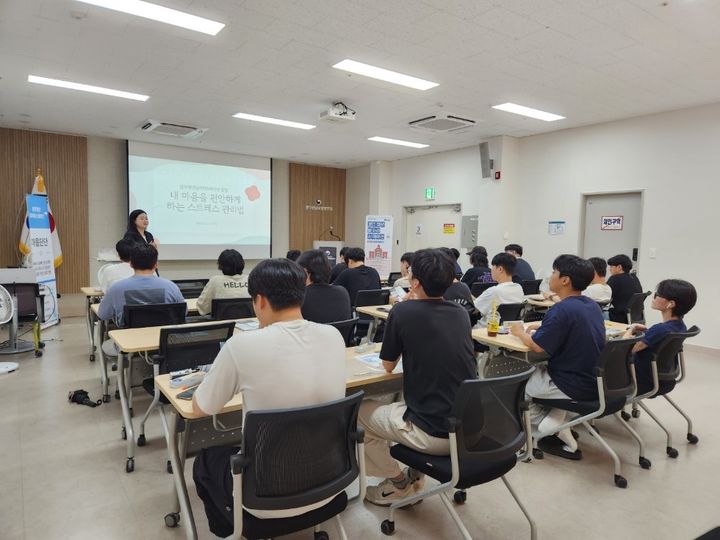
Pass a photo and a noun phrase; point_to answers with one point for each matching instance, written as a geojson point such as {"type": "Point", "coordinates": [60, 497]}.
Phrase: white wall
{"type": "Point", "coordinates": [357, 204]}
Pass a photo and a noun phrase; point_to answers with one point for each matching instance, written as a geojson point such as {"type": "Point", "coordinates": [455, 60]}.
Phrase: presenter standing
{"type": "Point", "coordinates": [137, 228]}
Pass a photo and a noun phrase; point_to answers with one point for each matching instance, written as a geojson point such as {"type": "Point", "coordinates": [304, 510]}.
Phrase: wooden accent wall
{"type": "Point", "coordinates": [63, 160]}
{"type": "Point", "coordinates": [309, 183]}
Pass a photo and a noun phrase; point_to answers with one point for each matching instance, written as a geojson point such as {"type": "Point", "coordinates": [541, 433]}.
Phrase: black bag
{"type": "Point", "coordinates": [81, 397]}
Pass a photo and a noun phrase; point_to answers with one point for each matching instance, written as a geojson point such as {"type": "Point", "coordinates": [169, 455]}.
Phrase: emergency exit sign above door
{"type": "Point", "coordinates": [429, 193]}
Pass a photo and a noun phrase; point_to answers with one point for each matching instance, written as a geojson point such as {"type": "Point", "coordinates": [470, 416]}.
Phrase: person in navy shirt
{"type": "Point", "coordinates": [673, 299]}
{"type": "Point", "coordinates": [573, 335]}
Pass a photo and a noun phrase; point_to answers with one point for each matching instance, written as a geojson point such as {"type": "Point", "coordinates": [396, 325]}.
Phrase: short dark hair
{"type": "Point", "coordinates": [579, 270]}
{"type": "Point", "coordinates": [231, 262]}
{"type": "Point", "coordinates": [505, 261]}
{"type": "Point", "coordinates": [599, 265]}
{"type": "Point", "coordinates": [131, 227]}
{"type": "Point", "coordinates": [316, 264]}
{"type": "Point", "coordinates": [622, 260]}
{"type": "Point", "coordinates": [478, 258]}
{"type": "Point", "coordinates": [293, 254]}
{"type": "Point", "coordinates": [355, 254]}
{"type": "Point", "coordinates": [143, 256]}
{"type": "Point", "coordinates": [408, 257]}
{"type": "Point", "coordinates": [517, 248]}
{"type": "Point", "coordinates": [281, 281]}
{"type": "Point", "coordinates": [679, 291]}
{"type": "Point", "coordinates": [455, 253]}
{"type": "Point", "coordinates": [124, 249]}
{"type": "Point", "coordinates": [434, 269]}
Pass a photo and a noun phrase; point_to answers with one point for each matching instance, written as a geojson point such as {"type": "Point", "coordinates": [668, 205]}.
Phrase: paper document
{"type": "Point", "coordinates": [247, 325]}
{"type": "Point", "coordinates": [373, 361]}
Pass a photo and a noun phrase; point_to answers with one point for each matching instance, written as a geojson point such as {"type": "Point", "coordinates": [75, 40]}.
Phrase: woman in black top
{"type": "Point", "coordinates": [623, 285]}
{"type": "Point", "coordinates": [137, 228]}
{"type": "Point", "coordinates": [323, 303]}
{"type": "Point", "coordinates": [480, 271]}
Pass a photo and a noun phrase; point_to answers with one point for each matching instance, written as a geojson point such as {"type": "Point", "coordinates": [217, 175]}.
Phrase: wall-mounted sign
{"type": "Point", "coordinates": [556, 227]}
{"type": "Point", "coordinates": [611, 223]}
{"type": "Point", "coordinates": [448, 228]}
{"type": "Point", "coordinates": [429, 193]}
{"type": "Point", "coordinates": [378, 243]}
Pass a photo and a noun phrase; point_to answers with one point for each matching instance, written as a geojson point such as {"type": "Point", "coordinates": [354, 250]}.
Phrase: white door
{"type": "Point", "coordinates": [432, 227]}
{"type": "Point", "coordinates": [612, 225]}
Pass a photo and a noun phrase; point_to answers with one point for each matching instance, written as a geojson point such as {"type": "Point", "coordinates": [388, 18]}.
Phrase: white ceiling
{"type": "Point", "coordinates": [589, 60]}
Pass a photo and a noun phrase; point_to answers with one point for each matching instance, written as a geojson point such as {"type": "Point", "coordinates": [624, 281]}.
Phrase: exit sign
{"type": "Point", "coordinates": [430, 194]}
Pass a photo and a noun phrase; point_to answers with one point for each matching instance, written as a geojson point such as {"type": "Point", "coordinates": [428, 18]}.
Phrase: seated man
{"type": "Point", "coordinates": [357, 277]}
{"type": "Point", "coordinates": [673, 299]}
{"type": "Point", "coordinates": [523, 270]}
{"type": "Point", "coordinates": [288, 362]}
{"type": "Point", "coordinates": [231, 284]}
{"type": "Point", "coordinates": [144, 287]}
{"type": "Point", "coordinates": [573, 335]}
{"type": "Point", "coordinates": [340, 265]}
{"type": "Point", "coordinates": [324, 303]}
{"type": "Point", "coordinates": [623, 285]}
{"type": "Point", "coordinates": [433, 337]}
{"type": "Point", "coordinates": [598, 290]}
{"type": "Point", "coordinates": [480, 271]}
{"type": "Point", "coordinates": [505, 292]}
{"type": "Point", "coordinates": [110, 273]}
{"type": "Point", "coordinates": [405, 263]}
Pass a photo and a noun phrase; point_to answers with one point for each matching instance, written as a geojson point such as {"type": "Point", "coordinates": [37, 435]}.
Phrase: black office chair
{"type": "Point", "coordinates": [616, 387]}
{"type": "Point", "coordinates": [296, 457]}
{"type": "Point", "coordinates": [635, 308]}
{"type": "Point", "coordinates": [393, 277]}
{"type": "Point", "coordinates": [142, 315]}
{"type": "Point", "coordinates": [511, 312]}
{"type": "Point", "coordinates": [372, 297]}
{"type": "Point", "coordinates": [182, 347]}
{"type": "Point", "coordinates": [479, 287]}
{"type": "Point", "coordinates": [668, 368]}
{"type": "Point", "coordinates": [531, 286]}
{"type": "Point", "coordinates": [489, 425]}
{"type": "Point", "coordinates": [190, 288]}
{"type": "Point", "coordinates": [347, 330]}
{"type": "Point", "coordinates": [232, 308]}
{"type": "Point", "coordinates": [30, 308]}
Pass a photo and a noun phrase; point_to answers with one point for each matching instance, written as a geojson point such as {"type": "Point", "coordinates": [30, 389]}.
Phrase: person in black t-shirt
{"type": "Point", "coordinates": [357, 277]}
{"type": "Point", "coordinates": [480, 271]}
{"type": "Point", "coordinates": [433, 337]}
{"type": "Point", "coordinates": [523, 270]}
{"type": "Point", "coordinates": [623, 285]}
{"type": "Point", "coordinates": [340, 266]}
{"type": "Point", "coordinates": [323, 303]}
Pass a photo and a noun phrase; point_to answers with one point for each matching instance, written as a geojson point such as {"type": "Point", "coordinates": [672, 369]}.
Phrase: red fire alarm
{"type": "Point", "coordinates": [497, 175]}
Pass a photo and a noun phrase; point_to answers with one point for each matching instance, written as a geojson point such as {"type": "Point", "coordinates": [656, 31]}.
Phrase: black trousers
{"type": "Point", "coordinates": [213, 481]}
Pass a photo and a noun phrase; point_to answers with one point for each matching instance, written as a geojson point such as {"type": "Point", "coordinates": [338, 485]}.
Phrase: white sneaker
{"type": "Point", "coordinates": [386, 493]}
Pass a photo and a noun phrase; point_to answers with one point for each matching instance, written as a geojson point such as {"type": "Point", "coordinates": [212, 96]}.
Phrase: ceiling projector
{"type": "Point", "coordinates": [339, 112]}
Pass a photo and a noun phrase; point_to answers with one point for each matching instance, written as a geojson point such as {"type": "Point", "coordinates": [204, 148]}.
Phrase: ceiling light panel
{"type": "Point", "coordinates": [160, 14]}
{"type": "Point", "coordinates": [274, 121]}
{"type": "Point", "coordinates": [398, 142]}
{"type": "Point", "coordinates": [528, 111]}
{"type": "Point", "coordinates": [384, 74]}
{"type": "Point", "coordinates": [86, 88]}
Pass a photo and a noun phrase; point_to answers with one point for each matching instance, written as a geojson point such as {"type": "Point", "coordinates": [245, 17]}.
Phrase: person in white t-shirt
{"type": "Point", "coordinates": [288, 362]}
{"type": "Point", "coordinates": [232, 284]}
{"type": "Point", "coordinates": [598, 290]}
{"type": "Point", "coordinates": [110, 273]}
{"type": "Point", "coordinates": [502, 267]}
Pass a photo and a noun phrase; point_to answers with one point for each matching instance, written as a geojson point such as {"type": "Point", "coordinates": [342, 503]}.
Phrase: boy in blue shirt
{"type": "Point", "coordinates": [572, 334]}
{"type": "Point", "coordinates": [673, 299]}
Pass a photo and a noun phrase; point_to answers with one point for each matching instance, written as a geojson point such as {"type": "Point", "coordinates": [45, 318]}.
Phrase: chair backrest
{"type": "Point", "coordinates": [26, 295]}
{"type": "Point", "coordinates": [479, 287]}
{"type": "Point", "coordinates": [510, 312]}
{"type": "Point", "coordinates": [636, 306]}
{"type": "Point", "coordinates": [531, 286]}
{"type": "Point", "coordinates": [372, 297]}
{"type": "Point", "coordinates": [666, 355]}
{"type": "Point", "coordinates": [614, 364]}
{"type": "Point", "coordinates": [141, 315]}
{"type": "Point", "coordinates": [393, 277]}
{"type": "Point", "coordinates": [190, 288]}
{"type": "Point", "coordinates": [296, 457]}
{"type": "Point", "coordinates": [185, 347]}
{"type": "Point", "coordinates": [489, 415]}
{"type": "Point", "coordinates": [232, 308]}
{"type": "Point", "coordinates": [346, 329]}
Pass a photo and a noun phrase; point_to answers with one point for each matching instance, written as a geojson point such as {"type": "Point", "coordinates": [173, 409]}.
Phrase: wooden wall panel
{"type": "Point", "coordinates": [63, 160]}
{"type": "Point", "coordinates": [309, 183]}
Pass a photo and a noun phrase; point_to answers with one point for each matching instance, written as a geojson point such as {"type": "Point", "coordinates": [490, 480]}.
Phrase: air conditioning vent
{"type": "Point", "coordinates": [442, 123]}
{"type": "Point", "coordinates": [172, 130]}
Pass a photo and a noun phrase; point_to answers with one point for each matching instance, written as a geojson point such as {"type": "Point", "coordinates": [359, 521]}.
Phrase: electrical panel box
{"type": "Point", "coordinates": [469, 234]}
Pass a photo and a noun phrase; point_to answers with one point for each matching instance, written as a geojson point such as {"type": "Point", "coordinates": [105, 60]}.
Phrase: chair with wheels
{"type": "Point", "coordinates": [371, 297]}
{"type": "Point", "coordinates": [511, 312]}
{"type": "Point", "coordinates": [190, 288]}
{"type": "Point", "coordinates": [531, 286]}
{"type": "Point", "coordinates": [347, 330]}
{"type": "Point", "coordinates": [223, 309]}
{"type": "Point", "coordinates": [636, 307]}
{"type": "Point", "coordinates": [668, 369]}
{"type": "Point", "coordinates": [297, 457]}
{"type": "Point", "coordinates": [29, 308]}
{"type": "Point", "coordinates": [490, 424]}
{"type": "Point", "coordinates": [393, 277]}
{"type": "Point", "coordinates": [615, 374]}
{"type": "Point", "coordinates": [479, 287]}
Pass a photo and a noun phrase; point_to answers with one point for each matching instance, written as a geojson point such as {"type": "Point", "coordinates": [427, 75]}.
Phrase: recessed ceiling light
{"type": "Point", "coordinates": [528, 111]}
{"type": "Point", "coordinates": [161, 14]}
{"type": "Point", "coordinates": [398, 142]}
{"type": "Point", "coordinates": [384, 74]}
{"type": "Point", "coordinates": [86, 88]}
{"type": "Point", "coordinates": [275, 121]}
